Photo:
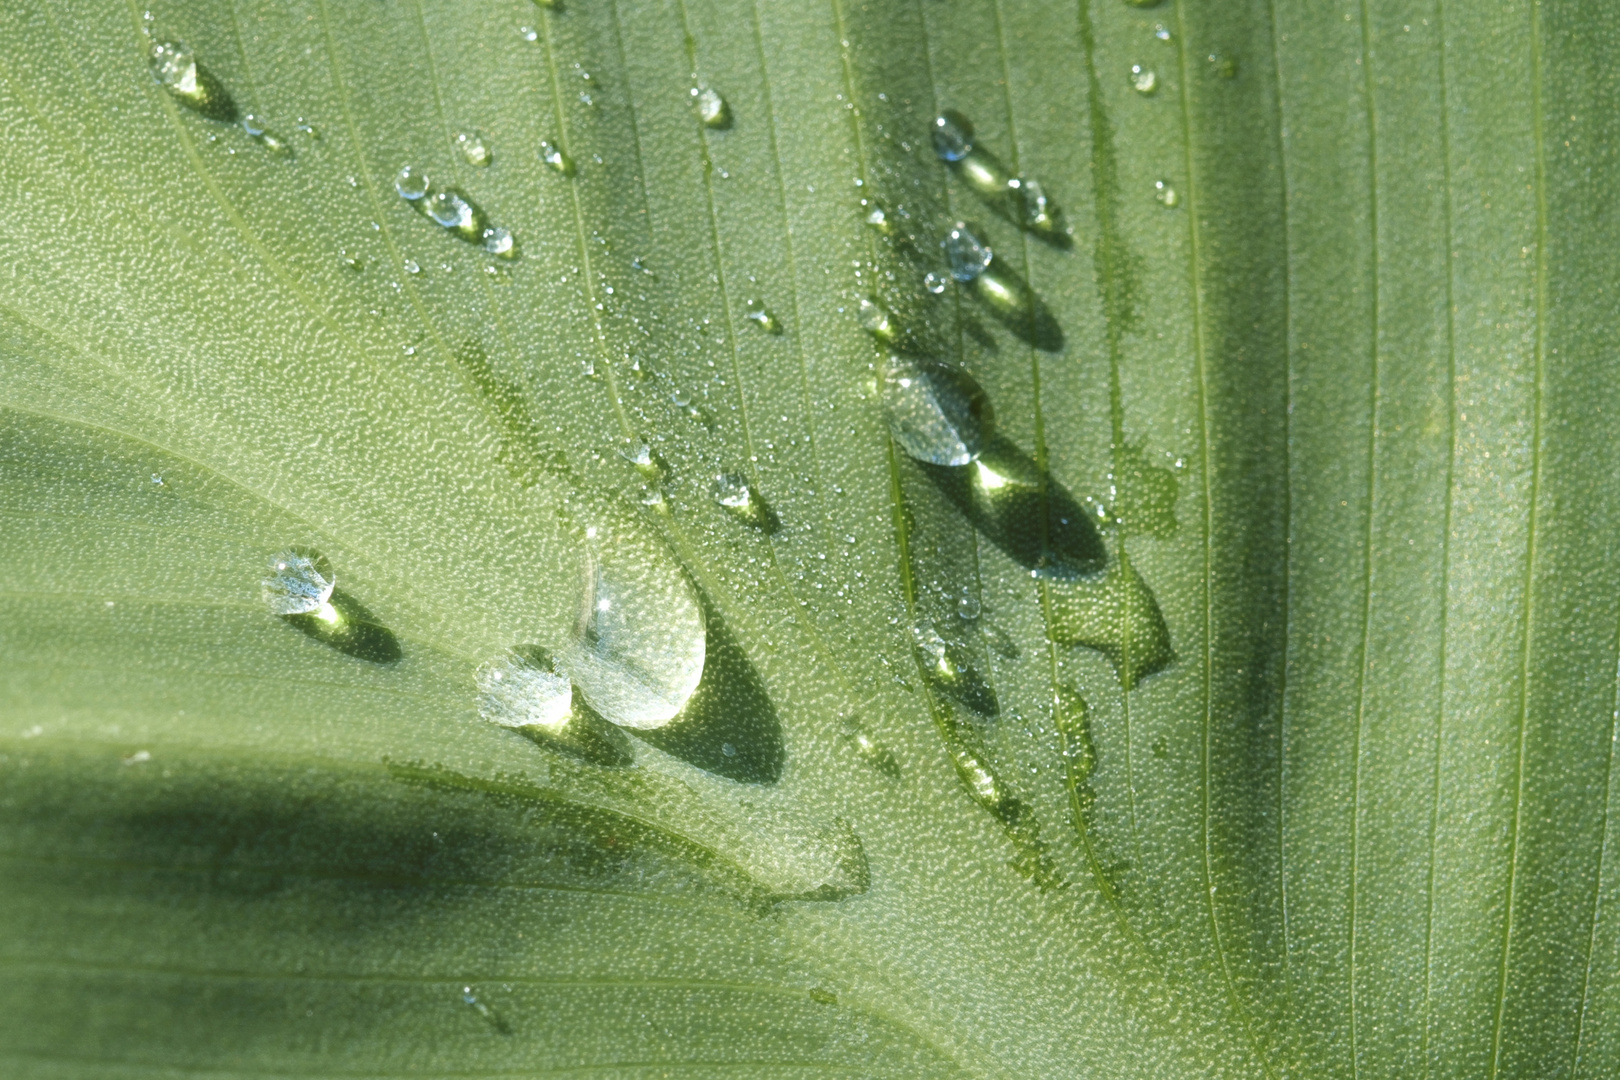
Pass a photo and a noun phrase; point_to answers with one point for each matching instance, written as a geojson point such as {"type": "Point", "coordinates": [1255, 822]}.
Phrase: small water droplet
{"type": "Point", "coordinates": [452, 211]}
{"type": "Point", "coordinates": [646, 461]}
{"type": "Point", "coordinates": [555, 159]}
{"type": "Point", "coordinates": [176, 69]}
{"type": "Point", "coordinates": [304, 127]}
{"type": "Point", "coordinates": [528, 33]}
{"type": "Point", "coordinates": [1143, 79]}
{"type": "Point", "coordinates": [934, 283]}
{"type": "Point", "coordinates": [967, 255]}
{"type": "Point", "coordinates": [412, 266]}
{"type": "Point", "coordinates": [1035, 211]}
{"type": "Point", "coordinates": [739, 499]}
{"type": "Point", "coordinates": [878, 218]}
{"type": "Point", "coordinates": [474, 149]}
{"type": "Point", "coordinates": [411, 183]}
{"type": "Point", "coordinates": [1225, 66]}
{"type": "Point", "coordinates": [870, 751]}
{"type": "Point", "coordinates": [874, 319]}
{"type": "Point", "coordinates": [712, 109]}
{"type": "Point", "coordinates": [953, 136]}
{"type": "Point", "coordinates": [1166, 194]}
{"type": "Point", "coordinates": [300, 581]}
{"type": "Point", "coordinates": [1161, 31]}
{"type": "Point", "coordinates": [936, 411]}
{"type": "Point", "coordinates": [256, 130]}
{"type": "Point", "coordinates": [967, 605]}
{"type": "Point", "coordinates": [499, 241]}
{"type": "Point", "coordinates": [757, 311]}
{"type": "Point", "coordinates": [157, 479]}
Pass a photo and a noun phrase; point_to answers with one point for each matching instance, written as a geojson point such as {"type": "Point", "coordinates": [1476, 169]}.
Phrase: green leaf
{"type": "Point", "coordinates": [1312, 344]}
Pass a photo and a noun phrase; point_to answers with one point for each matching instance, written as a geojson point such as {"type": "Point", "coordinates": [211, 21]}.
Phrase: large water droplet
{"type": "Point", "coordinates": [300, 582]}
{"type": "Point", "coordinates": [712, 109]}
{"type": "Point", "coordinates": [474, 149]}
{"type": "Point", "coordinates": [411, 183]}
{"type": "Point", "coordinates": [555, 159]}
{"type": "Point", "coordinates": [639, 644]}
{"type": "Point", "coordinates": [1143, 79]}
{"type": "Point", "coordinates": [967, 255]}
{"type": "Point", "coordinates": [936, 411]}
{"type": "Point", "coordinates": [953, 136]}
{"type": "Point", "coordinates": [177, 71]}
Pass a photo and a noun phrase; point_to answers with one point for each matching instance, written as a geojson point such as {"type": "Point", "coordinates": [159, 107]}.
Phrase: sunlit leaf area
{"type": "Point", "coordinates": [809, 538]}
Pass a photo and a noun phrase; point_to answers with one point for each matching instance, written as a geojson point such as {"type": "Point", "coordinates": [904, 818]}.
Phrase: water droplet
{"type": "Point", "coordinates": [304, 127]}
{"type": "Point", "coordinates": [177, 71]}
{"type": "Point", "coordinates": [872, 752]}
{"type": "Point", "coordinates": [756, 310]}
{"type": "Point", "coordinates": [878, 218]}
{"type": "Point", "coordinates": [1225, 66]}
{"type": "Point", "coordinates": [1119, 617]}
{"type": "Point", "coordinates": [1035, 211]}
{"type": "Point", "coordinates": [470, 999]}
{"type": "Point", "coordinates": [874, 319]}
{"type": "Point", "coordinates": [967, 255]}
{"type": "Point", "coordinates": [454, 212]}
{"type": "Point", "coordinates": [272, 142]}
{"type": "Point", "coordinates": [1072, 718]}
{"type": "Point", "coordinates": [1166, 194]}
{"type": "Point", "coordinates": [300, 582]}
{"type": "Point", "coordinates": [499, 241]}
{"type": "Point", "coordinates": [934, 283]}
{"type": "Point", "coordinates": [936, 411]}
{"type": "Point", "coordinates": [967, 605]}
{"type": "Point", "coordinates": [712, 109]}
{"type": "Point", "coordinates": [953, 136]}
{"type": "Point", "coordinates": [352, 260]}
{"type": "Point", "coordinates": [739, 499]}
{"type": "Point", "coordinates": [639, 644]}
{"type": "Point", "coordinates": [474, 149]}
{"type": "Point", "coordinates": [528, 33]}
{"type": "Point", "coordinates": [949, 668]}
{"type": "Point", "coordinates": [515, 691]}
{"type": "Point", "coordinates": [411, 183]}
{"type": "Point", "coordinates": [553, 156]}
{"type": "Point", "coordinates": [1143, 80]}
{"type": "Point", "coordinates": [648, 463]}
{"type": "Point", "coordinates": [412, 266]}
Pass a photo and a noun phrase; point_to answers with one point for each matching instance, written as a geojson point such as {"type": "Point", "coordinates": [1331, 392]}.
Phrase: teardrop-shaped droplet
{"type": "Point", "coordinates": [176, 69]}
{"type": "Point", "coordinates": [965, 252]}
{"type": "Point", "coordinates": [1166, 194]}
{"type": "Point", "coordinates": [936, 411]}
{"type": "Point", "coordinates": [949, 667]}
{"type": "Point", "coordinates": [639, 644]}
{"type": "Point", "coordinates": [872, 752]}
{"type": "Point", "coordinates": [712, 109]}
{"type": "Point", "coordinates": [877, 217]}
{"type": "Point", "coordinates": [953, 136]}
{"type": "Point", "coordinates": [759, 313]}
{"type": "Point", "coordinates": [1143, 80]}
{"type": "Point", "coordinates": [555, 159]}
{"type": "Point", "coordinates": [645, 459]}
{"type": "Point", "coordinates": [451, 209]}
{"type": "Point", "coordinates": [875, 319]}
{"type": "Point", "coordinates": [300, 581]}
{"type": "Point", "coordinates": [1035, 211]}
{"type": "Point", "coordinates": [411, 183]}
{"type": "Point", "coordinates": [254, 126]}
{"type": "Point", "coordinates": [474, 149]}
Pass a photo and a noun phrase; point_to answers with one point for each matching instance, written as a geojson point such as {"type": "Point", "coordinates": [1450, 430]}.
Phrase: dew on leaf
{"type": "Point", "coordinates": [953, 136]}
{"type": "Point", "coordinates": [176, 69]}
{"type": "Point", "coordinates": [967, 255]}
{"type": "Point", "coordinates": [1118, 617]}
{"type": "Point", "coordinates": [498, 241]}
{"type": "Point", "coordinates": [1166, 194]}
{"type": "Point", "coordinates": [522, 689]}
{"type": "Point", "coordinates": [639, 642]}
{"type": "Point", "coordinates": [266, 138]}
{"type": "Point", "coordinates": [759, 313]}
{"type": "Point", "coordinates": [412, 266]}
{"type": "Point", "coordinates": [1143, 79]}
{"type": "Point", "coordinates": [873, 753]}
{"type": "Point", "coordinates": [411, 183]}
{"type": "Point", "coordinates": [1034, 210]}
{"type": "Point", "coordinates": [936, 411]}
{"type": "Point", "coordinates": [934, 283]}
{"type": "Point", "coordinates": [555, 159]}
{"type": "Point", "coordinates": [473, 149]}
{"type": "Point", "coordinates": [451, 209]}
{"type": "Point", "coordinates": [738, 498]}
{"type": "Point", "coordinates": [1161, 31]}
{"type": "Point", "coordinates": [300, 581]}
{"type": "Point", "coordinates": [712, 108]}
{"type": "Point", "coordinates": [875, 319]}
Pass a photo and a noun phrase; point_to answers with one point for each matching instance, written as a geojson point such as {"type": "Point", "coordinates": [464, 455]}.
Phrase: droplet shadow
{"type": "Point", "coordinates": [345, 624]}
{"type": "Point", "coordinates": [1026, 513]}
{"type": "Point", "coordinates": [1014, 304]}
{"type": "Point", "coordinates": [729, 727]}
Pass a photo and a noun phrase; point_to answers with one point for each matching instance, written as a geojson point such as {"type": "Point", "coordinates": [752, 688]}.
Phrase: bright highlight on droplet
{"type": "Point", "coordinates": [712, 108]}
{"type": "Point", "coordinates": [515, 692]}
{"type": "Point", "coordinates": [953, 136]}
{"type": "Point", "coordinates": [1143, 79]}
{"type": "Point", "coordinates": [965, 252]}
{"type": "Point", "coordinates": [473, 149]}
{"type": "Point", "coordinates": [300, 582]}
{"type": "Point", "coordinates": [936, 411]}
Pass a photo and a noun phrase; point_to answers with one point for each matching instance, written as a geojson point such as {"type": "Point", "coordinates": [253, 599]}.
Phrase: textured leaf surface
{"type": "Point", "coordinates": [1344, 404]}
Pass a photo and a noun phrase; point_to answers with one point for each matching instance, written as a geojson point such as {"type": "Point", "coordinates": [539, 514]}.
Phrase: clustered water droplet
{"type": "Point", "coordinates": [454, 212]}
{"type": "Point", "coordinates": [738, 498]}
